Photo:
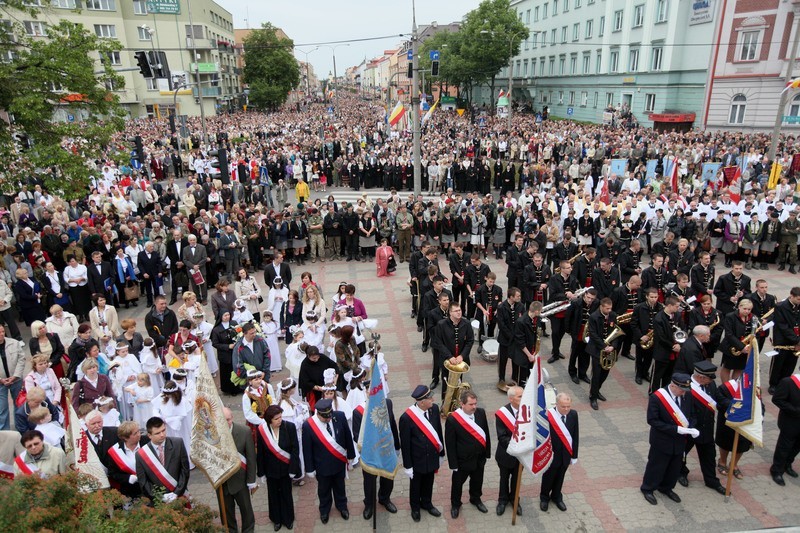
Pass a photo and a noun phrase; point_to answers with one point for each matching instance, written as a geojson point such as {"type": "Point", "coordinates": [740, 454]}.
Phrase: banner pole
{"type": "Point", "coordinates": [224, 512]}
{"type": "Point", "coordinates": [516, 495]}
{"type": "Point", "coordinates": [375, 494]}
{"type": "Point", "coordinates": [732, 467]}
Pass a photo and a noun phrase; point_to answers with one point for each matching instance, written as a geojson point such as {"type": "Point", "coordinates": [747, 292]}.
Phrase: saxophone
{"type": "Point", "coordinates": [455, 387]}
{"type": "Point", "coordinates": [648, 343]}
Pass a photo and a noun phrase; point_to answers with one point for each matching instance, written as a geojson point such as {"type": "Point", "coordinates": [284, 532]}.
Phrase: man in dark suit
{"type": "Point", "coordinates": [577, 319]}
{"type": "Point", "coordinates": [605, 278]}
{"type": "Point", "coordinates": [277, 269]}
{"type": "Point", "coordinates": [693, 350]}
{"type": "Point", "coordinates": [175, 249]}
{"type": "Point", "coordinates": [644, 315]}
{"type": "Point", "coordinates": [786, 333]}
{"type": "Point", "coordinates": [163, 463]}
{"type": "Point", "coordinates": [564, 435]}
{"type": "Point", "coordinates": [507, 315]}
{"type": "Point", "coordinates": [505, 421]}
{"type": "Point", "coordinates": [161, 322]}
{"type": "Point", "coordinates": [560, 287]}
{"type": "Point", "coordinates": [328, 448]}
{"type": "Point", "coordinates": [730, 288]}
{"type": "Point", "coordinates": [149, 263]}
{"type": "Point", "coordinates": [670, 417]}
{"type": "Point", "coordinates": [665, 346]}
{"type": "Point", "coordinates": [466, 434]}
{"type": "Point", "coordinates": [421, 444]}
{"type": "Point", "coordinates": [238, 488]}
{"type": "Point", "coordinates": [101, 278]}
{"type": "Point", "coordinates": [102, 438]}
{"type": "Point", "coordinates": [601, 324]}
{"type": "Point", "coordinates": [787, 399]}
{"type": "Point", "coordinates": [525, 344]}
{"type": "Point", "coordinates": [230, 250]}
{"type": "Point", "coordinates": [195, 258]}
{"type": "Point", "coordinates": [121, 461]}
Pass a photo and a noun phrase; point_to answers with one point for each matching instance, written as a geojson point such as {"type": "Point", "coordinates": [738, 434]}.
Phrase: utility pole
{"type": "Point", "coordinates": [197, 73]}
{"type": "Point", "coordinates": [510, 80]}
{"type": "Point", "coordinates": [776, 131]}
{"type": "Point", "coordinates": [415, 104]}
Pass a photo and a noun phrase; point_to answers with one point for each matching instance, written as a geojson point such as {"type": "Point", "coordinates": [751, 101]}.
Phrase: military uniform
{"type": "Point", "coordinates": [316, 237]}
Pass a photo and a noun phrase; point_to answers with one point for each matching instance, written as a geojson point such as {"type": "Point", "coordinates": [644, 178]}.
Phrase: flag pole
{"type": "Point", "coordinates": [516, 495]}
{"type": "Point", "coordinates": [224, 512]}
{"type": "Point", "coordinates": [374, 490]}
{"type": "Point", "coordinates": [732, 467]}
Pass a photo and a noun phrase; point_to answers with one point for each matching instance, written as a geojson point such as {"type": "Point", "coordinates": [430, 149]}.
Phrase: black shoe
{"type": "Point", "coordinates": [600, 396]}
{"type": "Point", "coordinates": [479, 505]}
{"type": "Point", "coordinates": [413, 314]}
{"type": "Point", "coordinates": [671, 495]}
{"type": "Point", "coordinates": [594, 405]}
{"type": "Point", "coordinates": [368, 512]}
{"type": "Point", "coordinates": [345, 514]}
{"type": "Point", "coordinates": [545, 335]}
{"type": "Point", "coordinates": [519, 509]}
{"type": "Point", "coordinates": [650, 497]}
{"type": "Point", "coordinates": [629, 356]}
{"type": "Point", "coordinates": [415, 516]}
{"type": "Point", "coordinates": [424, 348]}
{"type": "Point", "coordinates": [136, 304]}
{"type": "Point", "coordinates": [782, 267]}
{"type": "Point", "coordinates": [683, 481]}
{"type": "Point", "coordinates": [778, 478]}
{"type": "Point", "coordinates": [501, 508]}
{"type": "Point", "coordinates": [561, 506]}
{"type": "Point", "coordinates": [276, 527]}
{"type": "Point", "coordinates": [544, 506]}
{"type": "Point", "coordinates": [433, 511]}
{"type": "Point", "coordinates": [771, 390]}
{"type": "Point", "coordinates": [350, 258]}
{"type": "Point", "coordinates": [575, 379]}
{"type": "Point", "coordinates": [586, 379]}
{"type": "Point", "coordinates": [454, 512]}
{"type": "Point", "coordinates": [647, 378]}
{"type": "Point", "coordinates": [419, 329]}
{"type": "Point", "coordinates": [324, 518]}
{"type": "Point", "coordinates": [638, 380]}
{"type": "Point", "coordinates": [719, 488]}
{"type": "Point", "coordinates": [392, 508]}
{"type": "Point", "coordinates": [790, 472]}
{"type": "Point", "coordinates": [149, 304]}
{"type": "Point", "coordinates": [172, 301]}
{"type": "Point", "coordinates": [791, 271]}
{"type": "Point", "coordinates": [553, 359]}
{"type": "Point", "coordinates": [434, 384]}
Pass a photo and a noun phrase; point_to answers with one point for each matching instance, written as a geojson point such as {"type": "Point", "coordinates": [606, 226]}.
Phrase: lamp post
{"type": "Point", "coordinates": [308, 90]}
{"type": "Point", "coordinates": [197, 73]}
{"type": "Point", "coordinates": [335, 78]}
{"type": "Point", "coordinates": [415, 151]}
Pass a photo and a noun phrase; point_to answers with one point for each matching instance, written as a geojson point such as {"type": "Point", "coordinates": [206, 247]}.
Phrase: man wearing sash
{"type": "Point", "coordinates": [163, 463]}
{"type": "Point", "coordinates": [564, 424]}
{"type": "Point", "coordinates": [505, 421]}
{"type": "Point", "coordinates": [39, 458]}
{"type": "Point", "coordinates": [328, 449]}
{"type": "Point", "coordinates": [421, 441]}
{"type": "Point", "coordinates": [121, 459]}
{"type": "Point", "coordinates": [238, 488]}
{"type": "Point", "coordinates": [786, 333]}
{"type": "Point", "coordinates": [667, 415]}
{"type": "Point", "coordinates": [787, 399]}
{"type": "Point", "coordinates": [466, 435]}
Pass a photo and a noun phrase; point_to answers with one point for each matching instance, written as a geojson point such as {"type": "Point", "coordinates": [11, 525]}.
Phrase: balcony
{"type": "Point", "coordinates": [205, 68]}
{"type": "Point", "coordinates": [208, 92]}
{"type": "Point", "coordinates": [200, 44]}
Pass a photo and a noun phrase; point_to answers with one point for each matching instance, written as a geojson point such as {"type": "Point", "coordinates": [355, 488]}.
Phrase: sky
{"type": "Point", "coordinates": [307, 22]}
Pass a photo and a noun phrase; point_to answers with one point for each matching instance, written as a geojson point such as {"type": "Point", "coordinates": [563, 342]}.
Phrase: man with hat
{"type": "Point", "coordinates": [704, 392]}
{"type": "Point", "coordinates": [421, 443]}
{"type": "Point", "coordinates": [670, 417]}
{"type": "Point", "coordinates": [328, 449]}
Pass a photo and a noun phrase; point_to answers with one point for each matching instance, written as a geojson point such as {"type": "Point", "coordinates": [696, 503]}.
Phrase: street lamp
{"type": "Point", "coordinates": [333, 53]}
{"type": "Point", "coordinates": [308, 90]}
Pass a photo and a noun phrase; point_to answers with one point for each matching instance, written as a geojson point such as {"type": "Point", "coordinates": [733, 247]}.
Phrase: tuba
{"type": "Point", "coordinates": [609, 359]}
{"type": "Point", "coordinates": [452, 398]}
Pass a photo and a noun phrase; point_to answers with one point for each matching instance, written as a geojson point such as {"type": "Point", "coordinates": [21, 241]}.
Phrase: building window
{"type": "Point", "coordinates": [110, 86]}
{"type": "Point", "coordinates": [525, 69]}
{"type": "Point", "coordinates": [139, 7]}
{"type": "Point", "coordinates": [534, 40]}
{"type": "Point", "coordinates": [738, 105]}
{"type": "Point", "coordinates": [113, 58]}
{"type": "Point", "coordinates": [64, 4]}
{"type": "Point", "coordinates": [34, 28]}
{"type": "Point", "coordinates": [553, 37]}
{"type": "Point", "coordinates": [614, 62]}
{"type": "Point", "coordinates": [528, 17]}
{"type": "Point", "coordinates": [144, 35]}
{"type": "Point", "coordinates": [661, 10]}
{"type": "Point", "coordinates": [794, 109]}
{"type": "Point", "coordinates": [638, 16]}
{"type": "Point", "coordinates": [584, 99]}
{"type": "Point", "coordinates": [101, 5]}
{"type": "Point", "coordinates": [573, 64]}
{"type": "Point", "coordinates": [151, 84]}
{"type": "Point", "coordinates": [552, 66]}
{"type": "Point", "coordinates": [527, 44]}
{"type": "Point", "coordinates": [633, 60]}
{"type": "Point", "coordinates": [555, 7]}
{"type": "Point", "coordinates": [519, 68]}
{"type": "Point", "coordinates": [533, 67]}
{"type": "Point", "coordinates": [589, 28]}
{"type": "Point", "coordinates": [609, 99]}
{"type": "Point", "coordinates": [586, 63]}
{"type": "Point", "coordinates": [544, 11]}
{"type": "Point", "coordinates": [601, 28]}
{"type": "Point", "coordinates": [566, 6]}
{"type": "Point", "coordinates": [562, 63]}
{"type": "Point", "coordinates": [596, 99]}
{"type": "Point", "coordinates": [748, 44]}
{"type": "Point", "coordinates": [106, 31]}
{"type": "Point", "coordinates": [649, 102]}
{"type": "Point", "coordinates": [618, 20]}
{"type": "Point", "coordinates": [576, 31]}
{"type": "Point", "coordinates": [560, 97]}
{"type": "Point", "coordinates": [536, 14]}
{"type": "Point", "coordinates": [658, 54]}
{"type": "Point", "coordinates": [598, 62]}
{"type": "Point", "coordinates": [563, 34]}
{"type": "Point", "coordinates": [572, 98]}
{"type": "Point", "coordinates": [577, 4]}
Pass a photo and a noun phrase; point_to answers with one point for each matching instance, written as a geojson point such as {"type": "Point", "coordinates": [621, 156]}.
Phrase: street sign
{"type": "Point", "coordinates": [136, 164]}
{"type": "Point", "coordinates": [70, 117]}
{"type": "Point", "coordinates": [791, 119]}
{"type": "Point", "coordinates": [164, 7]}
{"type": "Point", "coordinates": [482, 122]}
{"type": "Point", "coordinates": [434, 55]}
{"type": "Point", "coordinates": [410, 55]}
{"type": "Point", "coordinates": [570, 111]}
{"type": "Point", "coordinates": [330, 110]}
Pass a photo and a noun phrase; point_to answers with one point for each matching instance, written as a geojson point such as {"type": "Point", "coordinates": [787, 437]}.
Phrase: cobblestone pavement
{"type": "Point", "coordinates": [601, 491]}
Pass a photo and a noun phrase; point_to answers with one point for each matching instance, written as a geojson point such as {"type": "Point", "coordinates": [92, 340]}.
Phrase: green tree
{"type": "Point", "coordinates": [270, 68]}
{"type": "Point", "coordinates": [46, 74]}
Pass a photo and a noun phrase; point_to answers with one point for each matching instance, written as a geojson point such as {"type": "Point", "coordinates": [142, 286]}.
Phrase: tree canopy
{"type": "Point", "coordinates": [270, 69]}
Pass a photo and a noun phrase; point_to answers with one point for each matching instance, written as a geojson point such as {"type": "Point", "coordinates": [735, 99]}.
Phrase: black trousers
{"type": "Point", "coordinates": [420, 492]}
{"type": "Point", "coordinates": [627, 341]}
{"type": "Point", "coordinates": [662, 374]}
{"type": "Point", "coordinates": [8, 319]}
{"type": "Point", "coordinates": [150, 286]}
{"type": "Point", "coordinates": [175, 286]}
{"type": "Point", "coordinates": [599, 377]}
{"type": "Point", "coordinates": [509, 477]}
{"type": "Point", "coordinates": [552, 481]}
{"type": "Point", "coordinates": [351, 242]}
{"type": "Point", "coordinates": [437, 370]}
{"type": "Point", "coordinates": [786, 448]}
{"type": "Point", "coordinates": [559, 329]}
{"type": "Point", "coordinates": [330, 489]}
{"type": "Point", "coordinates": [707, 455]}
{"type": "Point", "coordinates": [242, 499]}
{"type": "Point", "coordinates": [781, 366]}
{"type": "Point", "coordinates": [662, 471]}
{"type": "Point", "coordinates": [644, 358]}
{"type": "Point", "coordinates": [502, 361]}
{"type": "Point", "coordinates": [520, 374]}
{"type": "Point", "coordinates": [578, 359]}
{"type": "Point", "coordinates": [482, 330]}
{"type": "Point", "coordinates": [460, 296]}
{"type": "Point", "coordinates": [385, 487]}
{"type": "Point", "coordinates": [475, 485]}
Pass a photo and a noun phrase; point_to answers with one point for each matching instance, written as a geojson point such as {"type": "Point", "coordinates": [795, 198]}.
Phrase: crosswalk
{"type": "Point", "coordinates": [345, 194]}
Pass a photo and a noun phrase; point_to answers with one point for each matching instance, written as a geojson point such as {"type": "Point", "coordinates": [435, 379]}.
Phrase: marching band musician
{"type": "Point", "coordinates": [535, 279]}
{"type": "Point", "coordinates": [763, 302]}
{"type": "Point", "coordinates": [681, 259]}
{"type": "Point", "coordinates": [458, 265]}
{"type": "Point", "coordinates": [416, 276]}
{"type": "Point", "coordinates": [684, 293]}
{"type": "Point", "coordinates": [701, 275]}
{"type": "Point", "coordinates": [561, 286]}
{"type": "Point", "coordinates": [514, 273]}
{"type": "Point", "coordinates": [578, 324]}
{"type": "Point", "coordinates": [605, 278]}
{"type": "Point", "coordinates": [505, 421]}
{"type": "Point", "coordinates": [786, 333]}
{"type": "Point", "coordinates": [737, 326]}
{"type": "Point", "coordinates": [665, 350]}
{"type": "Point", "coordinates": [564, 423]}
{"type": "Point", "coordinates": [625, 299]}
{"type": "Point", "coordinates": [441, 312]}
{"type": "Point", "coordinates": [705, 315]}
{"type": "Point", "coordinates": [655, 276]}
{"type": "Point", "coordinates": [468, 442]}
{"type": "Point", "coordinates": [704, 393]}
{"type": "Point", "coordinates": [731, 287]}
{"type": "Point", "coordinates": [453, 339]}
{"type": "Point", "coordinates": [429, 300]}
{"type": "Point", "coordinates": [475, 275]}
{"type": "Point", "coordinates": [566, 249]}
{"type": "Point", "coordinates": [508, 313]}
{"type": "Point", "coordinates": [629, 261]}
{"type": "Point", "coordinates": [584, 266]}
{"type": "Point", "coordinates": [786, 398]}
{"type": "Point", "coordinates": [421, 444]}
{"type": "Point", "coordinates": [425, 265]}
{"type": "Point", "coordinates": [487, 298]}
{"type": "Point", "coordinates": [601, 324]}
{"type": "Point", "coordinates": [642, 330]}
{"type": "Point", "coordinates": [526, 340]}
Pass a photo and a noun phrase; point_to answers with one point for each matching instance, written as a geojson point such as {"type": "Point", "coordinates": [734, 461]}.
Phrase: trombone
{"type": "Point", "coordinates": [571, 261]}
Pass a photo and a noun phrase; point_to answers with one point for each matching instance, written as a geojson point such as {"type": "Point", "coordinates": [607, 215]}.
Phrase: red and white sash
{"type": "Point", "coordinates": [417, 416]}
{"type": "Point", "coordinates": [155, 466]}
{"type": "Point", "coordinates": [269, 439]}
{"type": "Point", "coordinates": [507, 418]}
{"type": "Point", "coordinates": [702, 396]}
{"type": "Point", "coordinates": [672, 408]}
{"type": "Point", "coordinates": [360, 409]}
{"type": "Point", "coordinates": [560, 428]}
{"type": "Point", "coordinates": [125, 462]}
{"type": "Point", "coordinates": [796, 379]}
{"type": "Point", "coordinates": [733, 389]}
{"type": "Point", "coordinates": [6, 471]}
{"type": "Point", "coordinates": [472, 428]}
{"type": "Point", "coordinates": [333, 447]}
{"type": "Point", "coordinates": [26, 468]}
{"type": "Point", "coordinates": [243, 461]}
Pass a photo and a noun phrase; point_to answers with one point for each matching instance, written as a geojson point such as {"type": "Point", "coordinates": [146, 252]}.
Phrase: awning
{"type": "Point", "coordinates": [672, 117]}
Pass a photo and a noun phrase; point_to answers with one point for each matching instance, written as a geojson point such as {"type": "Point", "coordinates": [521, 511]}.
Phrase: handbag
{"type": "Point", "coordinates": [132, 291]}
{"type": "Point", "coordinates": [392, 265]}
{"type": "Point", "coordinates": [22, 397]}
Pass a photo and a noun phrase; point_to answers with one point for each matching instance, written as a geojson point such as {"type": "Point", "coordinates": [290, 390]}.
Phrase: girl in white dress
{"type": "Point", "coordinates": [313, 331]}
{"type": "Point", "coordinates": [151, 364]}
{"type": "Point", "coordinates": [142, 394]}
{"type": "Point", "coordinates": [366, 362]}
{"type": "Point", "coordinates": [277, 295]}
{"type": "Point", "coordinates": [296, 412]}
{"type": "Point", "coordinates": [241, 314]}
{"type": "Point", "coordinates": [105, 404]}
{"type": "Point", "coordinates": [176, 411]}
{"type": "Point", "coordinates": [202, 330]}
{"type": "Point", "coordinates": [295, 352]}
{"type": "Point", "coordinates": [129, 367]}
{"type": "Point", "coordinates": [270, 329]}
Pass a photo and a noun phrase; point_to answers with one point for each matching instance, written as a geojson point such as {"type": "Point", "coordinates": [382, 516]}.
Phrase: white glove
{"type": "Point", "coordinates": [132, 479]}
{"type": "Point", "coordinates": [454, 469]}
{"type": "Point", "coordinates": [682, 430]}
{"type": "Point", "coordinates": [170, 497]}
{"type": "Point", "coordinates": [409, 472]}
{"type": "Point", "coordinates": [694, 432]}
{"type": "Point", "coordinates": [252, 486]}
{"type": "Point", "coordinates": [573, 461]}
{"type": "Point", "coordinates": [312, 475]}
{"type": "Point", "coordinates": [262, 480]}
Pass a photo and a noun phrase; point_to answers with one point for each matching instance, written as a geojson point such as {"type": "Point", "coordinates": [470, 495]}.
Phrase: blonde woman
{"type": "Point", "coordinates": [62, 323]}
{"type": "Point", "coordinates": [314, 302]}
{"type": "Point", "coordinates": [247, 289]}
{"type": "Point", "coordinates": [190, 307]}
{"type": "Point", "coordinates": [44, 377]}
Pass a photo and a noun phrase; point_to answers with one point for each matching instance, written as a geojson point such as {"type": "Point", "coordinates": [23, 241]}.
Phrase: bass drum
{"type": "Point", "coordinates": [490, 350]}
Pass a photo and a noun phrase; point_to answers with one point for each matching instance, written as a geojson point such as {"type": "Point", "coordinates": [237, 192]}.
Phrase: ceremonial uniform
{"type": "Point", "coordinates": [557, 288]}
{"type": "Point", "coordinates": [655, 278]}
{"type": "Point", "coordinates": [600, 327]}
{"type": "Point", "coordinates": [453, 340]}
{"type": "Point", "coordinates": [643, 323]}
{"type": "Point", "coordinates": [430, 300]}
{"type": "Point", "coordinates": [786, 333]}
{"type": "Point", "coordinates": [628, 264]}
{"type": "Point", "coordinates": [578, 325]}
{"type": "Point", "coordinates": [458, 266]}
{"type": "Point", "coordinates": [728, 286]}
{"type": "Point", "coordinates": [434, 317]}
{"type": "Point", "coordinates": [605, 282]}
{"type": "Point", "coordinates": [625, 301]}
{"type": "Point", "coordinates": [532, 280]}
{"type": "Point", "coordinates": [663, 356]}
{"type": "Point", "coordinates": [735, 330]}
{"type": "Point", "coordinates": [564, 435]}
{"type": "Point", "coordinates": [505, 420]}
{"type": "Point", "coordinates": [697, 317]}
{"type": "Point", "coordinates": [490, 299]}
{"type": "Point", "coordinates": [468, 445]}
{"type": "Point", "coordinates": [474, 278]}
{"type": "Point", "coordinates": [421, 443]}
{"type": "Point", "coordinates": [761, 306]}
{"type": "Point", "coordinates": [526, 335]}
{"type": "Point", "coordinates": [121, 464]}
{"type": "Point", "coordinates": [681, 262]}
{"type": "Point", "coordinates": [514, 271]}
{"type": "Point", "coordinates": [692, 352]}
{"type": "Point", "coordinates": [787, 399]}
{"type": "Point", "coordinates": [170, 474]}
{"type": "Point", "coordinates": [279, 460]}
{"type": "Point", "coordinates": [386, 485]}
{"type": "Point", "coordinates": [507, 316]}
{"type": "Point", "coordinates": [701, 279]}
{"type": "Point", "coordinates": [705, 410]}
{"type": "Point", "coordinates": [236, 490]}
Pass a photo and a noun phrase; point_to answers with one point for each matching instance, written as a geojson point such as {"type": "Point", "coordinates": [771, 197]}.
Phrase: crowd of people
{"type": "Point", "coordinates": [540, 198]}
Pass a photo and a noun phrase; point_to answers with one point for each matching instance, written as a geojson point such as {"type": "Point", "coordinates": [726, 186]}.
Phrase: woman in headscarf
{"type": "Point", "coordinates": [223, 337]}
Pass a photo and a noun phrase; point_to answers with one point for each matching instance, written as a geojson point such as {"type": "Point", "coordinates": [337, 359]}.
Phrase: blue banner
{"type": "Point", "coordinates": [651, 168]}
{"type": "Point", "coordinates": [378, 456]}
{"type": "Point", "coordinates": [745, 414]}
{"type": "Point", "coordinates": [710, 171]}
{"type": "Point", "coordinates": [618, 167]}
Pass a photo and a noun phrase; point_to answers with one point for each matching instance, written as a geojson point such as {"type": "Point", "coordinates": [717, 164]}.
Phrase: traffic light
{"type": "Point", "coordinates": [138, 149]}
{"type": "Point", "coordinates": [434, 68]}
{"type": "Point", "coordinates": [410, 72]}
{"type": "Point", "coordinates": [222, 164]}
{"type": "Point", "coordinates": [143, 63]}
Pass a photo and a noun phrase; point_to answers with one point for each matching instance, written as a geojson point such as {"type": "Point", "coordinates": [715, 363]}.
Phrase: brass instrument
{"type": "Point", "coordinates": [715, 323]}
{"type": "Point", "coordinates": [792, 349]}
{"type": "Point", "coordinates": [580, 292]}
{"type": "Point", "coordinates": [563, 305]}
{"type": "Point", "coordinates": [647, 344]}
{"type": "Point", "coordinates": [756, 330]}
{"type": "Point", "coordinates": [625, 318]}
{"type": "Point", "coordinates": [547, 308]}
{"type": "Point", "coordinates": [680, 336]}
{"type": "Point", "coordinates": [452, 398]}
{"type": "Point", "coordinates": [609, 359]}
{"type": "Point", "coordinates": [571, 262]}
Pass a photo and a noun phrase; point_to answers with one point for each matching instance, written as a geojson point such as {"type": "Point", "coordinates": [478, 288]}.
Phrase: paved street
{"type": "Point", "coordinates": [601, 491]}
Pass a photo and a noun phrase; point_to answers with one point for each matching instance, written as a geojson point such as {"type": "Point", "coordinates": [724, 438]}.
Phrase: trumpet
{"type": "Point", "coordinates": [792, 349]}
{"type": "Point", "coordinates": [609, 359]}
{"type": "Point", "coordinates": [571, 262]}
{"type": "Point", "coordinates": [648, 343]}
{"type": "Point", "coordinates": [455, 387]}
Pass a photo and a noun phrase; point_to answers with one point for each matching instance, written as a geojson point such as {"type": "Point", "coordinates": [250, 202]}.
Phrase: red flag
{"type": "Point", "coordinates": [604, 191]}
{"type": "Point", "coordinates": [674, 177]}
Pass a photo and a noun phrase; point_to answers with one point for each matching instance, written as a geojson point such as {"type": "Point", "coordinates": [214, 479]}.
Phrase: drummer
{"type": "Point", "coordinates": [487, 299]}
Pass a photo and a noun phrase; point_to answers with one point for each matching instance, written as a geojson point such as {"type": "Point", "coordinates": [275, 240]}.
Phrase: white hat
{"type": "Point", "coordinates": [329, 375]}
